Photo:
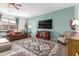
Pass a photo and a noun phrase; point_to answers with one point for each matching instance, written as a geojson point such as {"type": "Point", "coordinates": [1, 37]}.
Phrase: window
{"type": "Point", "coordinates": [10, 21]}
{"type": "Point", "coordinates": [7, 24]}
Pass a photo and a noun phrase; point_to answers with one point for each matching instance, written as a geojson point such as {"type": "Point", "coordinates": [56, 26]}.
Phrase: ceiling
{"type": "Point", "coordinates": [33, 9]}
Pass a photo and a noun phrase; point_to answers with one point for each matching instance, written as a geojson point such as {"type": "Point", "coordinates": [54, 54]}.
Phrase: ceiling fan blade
{"type": "Point", "coordinates": [18, 5]}
{"type": "Point", "coordinates": [15, 5]}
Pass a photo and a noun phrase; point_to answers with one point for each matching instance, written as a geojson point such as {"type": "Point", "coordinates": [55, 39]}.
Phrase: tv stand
{"type": "Point", "coordinates": [43, 35]}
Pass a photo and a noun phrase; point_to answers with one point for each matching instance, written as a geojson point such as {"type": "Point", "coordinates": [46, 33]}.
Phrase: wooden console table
{"type": "Point", "coordinates": [72, 47]}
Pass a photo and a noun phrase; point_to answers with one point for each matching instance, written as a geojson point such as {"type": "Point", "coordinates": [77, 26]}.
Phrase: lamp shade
{"type": "Point", "coordinates": [30, 26]}
{"type": "Point", "coordinates": [75, 22]}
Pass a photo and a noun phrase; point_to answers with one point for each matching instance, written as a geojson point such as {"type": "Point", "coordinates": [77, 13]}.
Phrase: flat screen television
{"type": "Point", "coordinates": [45, 24]}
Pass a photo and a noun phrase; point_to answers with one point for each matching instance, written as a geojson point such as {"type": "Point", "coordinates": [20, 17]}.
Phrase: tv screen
{"type": "Point", "coordinates": [45, 24]}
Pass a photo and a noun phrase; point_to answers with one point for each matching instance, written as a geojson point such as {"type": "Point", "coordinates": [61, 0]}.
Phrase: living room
{"type": "Point", "coordinates": [35, 29]}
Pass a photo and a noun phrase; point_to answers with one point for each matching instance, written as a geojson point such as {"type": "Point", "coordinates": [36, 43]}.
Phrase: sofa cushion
{"type": "Point", "coordinates": [3, 40]}
{"type": "Point", "coordinates": [5, 46]}
{"type": "Point", "coordinates": [13, 33]}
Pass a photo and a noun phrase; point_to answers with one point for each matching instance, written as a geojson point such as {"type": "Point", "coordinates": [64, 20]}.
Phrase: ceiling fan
{"type": "Point", "coordinates": [14, 5]}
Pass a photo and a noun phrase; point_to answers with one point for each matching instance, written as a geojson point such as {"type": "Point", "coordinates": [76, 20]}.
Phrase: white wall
{"type": "Point", "coordinates": [22, 22]}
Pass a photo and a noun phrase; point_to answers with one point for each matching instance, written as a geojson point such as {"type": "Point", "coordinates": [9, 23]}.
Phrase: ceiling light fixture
{"type": "Point", "coordinates": [14, 5]}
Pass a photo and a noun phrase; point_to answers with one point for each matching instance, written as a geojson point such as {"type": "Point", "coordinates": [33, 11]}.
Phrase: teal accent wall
{"type": "Point", "coordinates": [60, 19]}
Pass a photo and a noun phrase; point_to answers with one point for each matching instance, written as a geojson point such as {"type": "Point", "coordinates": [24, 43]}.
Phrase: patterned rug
{"type": "Point", "coordinates": [39, 47]}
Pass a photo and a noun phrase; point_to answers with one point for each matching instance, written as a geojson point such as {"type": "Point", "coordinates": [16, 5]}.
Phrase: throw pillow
{"type": "Point", "coordinates": [12, 33]}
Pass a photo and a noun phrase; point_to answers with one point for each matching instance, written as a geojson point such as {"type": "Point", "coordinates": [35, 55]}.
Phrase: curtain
{"type": "Point", "coordinates": [17, 22]}
{"type": "Point", "coordinates": [0, 16]}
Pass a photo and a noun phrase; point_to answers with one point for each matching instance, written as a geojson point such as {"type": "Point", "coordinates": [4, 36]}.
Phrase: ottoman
{"type": "Point", "coordinates": [4, 44]}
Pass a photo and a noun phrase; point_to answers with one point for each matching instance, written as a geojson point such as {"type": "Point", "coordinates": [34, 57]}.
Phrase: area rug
{"type": "Point", "coordinates": [40, 47]}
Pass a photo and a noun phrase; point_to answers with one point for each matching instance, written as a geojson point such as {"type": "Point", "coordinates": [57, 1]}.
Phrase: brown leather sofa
{"type": "Point", "coordinates": [11, 36]}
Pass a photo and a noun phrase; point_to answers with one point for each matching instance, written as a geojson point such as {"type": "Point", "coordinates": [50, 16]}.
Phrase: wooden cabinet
{"type": "Point", "coordinates": [72, 44]}
{"type": "Point", "coordinates": [43, 35]}
{"type": "Point", "coordinates": [73, 47]}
